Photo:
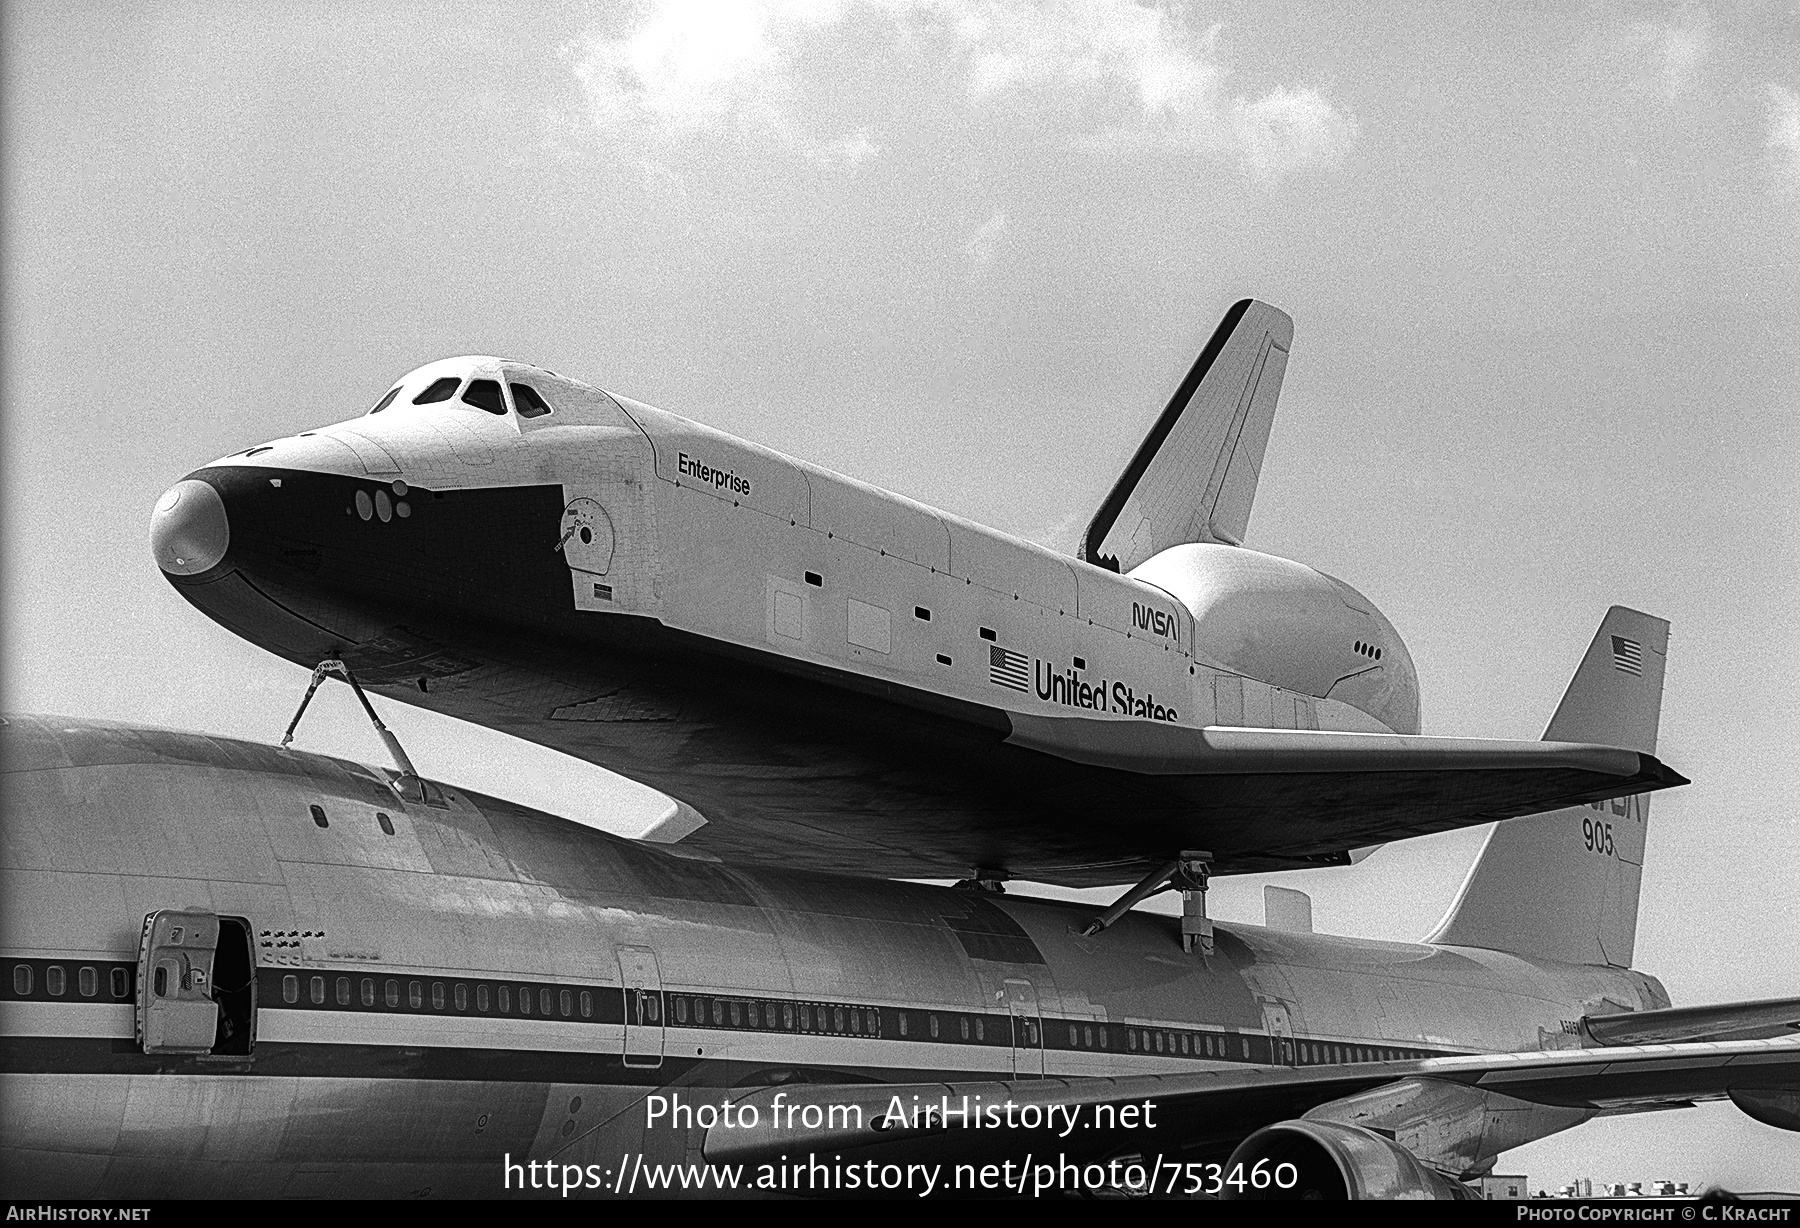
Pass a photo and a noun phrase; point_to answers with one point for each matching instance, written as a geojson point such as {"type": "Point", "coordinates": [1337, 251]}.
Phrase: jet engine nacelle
{"type": "Point", "coordinates": [1303, 1159]}
{"type": "Point", "coordinates": [1284, 623]}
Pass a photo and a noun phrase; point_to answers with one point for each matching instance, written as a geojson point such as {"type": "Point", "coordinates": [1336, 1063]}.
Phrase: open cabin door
{"type": "Point", "coordinates": [642, 984]}
{"type": "Point", "coordinates": [196, 984]}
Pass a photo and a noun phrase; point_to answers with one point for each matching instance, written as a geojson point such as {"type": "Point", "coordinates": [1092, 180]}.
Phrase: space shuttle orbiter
{"type": "Point", "coordinates": [837, 677]}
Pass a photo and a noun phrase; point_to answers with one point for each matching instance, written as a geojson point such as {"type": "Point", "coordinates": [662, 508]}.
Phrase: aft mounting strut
{"type": "Point", "coordinates": [1187, 872]}
{"type": "Point", "coordinates": [983, 879]}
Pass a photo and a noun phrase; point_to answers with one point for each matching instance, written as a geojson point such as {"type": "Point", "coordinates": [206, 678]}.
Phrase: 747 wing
{"type": "Point", "coordinates": [1367, 1130]}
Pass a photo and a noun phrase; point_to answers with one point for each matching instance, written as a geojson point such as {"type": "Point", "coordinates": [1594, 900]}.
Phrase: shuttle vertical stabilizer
{"type": "Point", "coordinates": [1194, 476]}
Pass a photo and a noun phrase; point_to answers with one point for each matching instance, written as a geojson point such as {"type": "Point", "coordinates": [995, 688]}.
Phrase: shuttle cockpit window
{"type": "Point", "coordinates": [387, 400]}
{"type": "Point", "coordinates": [485, 394]}
{"type": "Point", "coordinates": [438, 390]}
{"type": "Point", "coordinates": [527, 401]}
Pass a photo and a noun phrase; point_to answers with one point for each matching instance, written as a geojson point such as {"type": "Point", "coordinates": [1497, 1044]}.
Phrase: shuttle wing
{"type": "Point", "coordinates": [1163, 750]}
{"type": "Point", "coordinates": [1091, 803]}
{"type": "Point", "coordinates": [957, 786]}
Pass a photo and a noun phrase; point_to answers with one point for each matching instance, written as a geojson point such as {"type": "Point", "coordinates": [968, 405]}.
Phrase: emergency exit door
{"type": "Point", "coordinates": [641, 982]}
{"type": "Point", "coordinates": [1027, 1030]}
{"type": "Point", "coordinates": [196, 984]}
{"type": "Point", "coordinates": [1281, 1031]}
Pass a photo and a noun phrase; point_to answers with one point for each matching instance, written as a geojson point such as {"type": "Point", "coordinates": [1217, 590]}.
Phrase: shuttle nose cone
{"type": "Point", "coordinates": [189, 530]}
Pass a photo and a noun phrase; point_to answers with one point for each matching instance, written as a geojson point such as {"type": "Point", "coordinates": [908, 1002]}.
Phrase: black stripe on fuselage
{"type": "Point", "coordinates": [97, 981]}
{"type": "Point", "coordinates": [361, 991]}
{"type": "Point", "coordinates": [90, 1055]}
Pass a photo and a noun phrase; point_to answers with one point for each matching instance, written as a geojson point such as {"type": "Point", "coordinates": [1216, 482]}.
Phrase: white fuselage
{"type": "Point", "coordinates": [395, 963]}
{"type": "Point", "coordinates": [709, 534]}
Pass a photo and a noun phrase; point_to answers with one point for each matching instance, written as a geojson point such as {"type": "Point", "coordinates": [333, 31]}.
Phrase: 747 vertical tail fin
{"type": "Point", "coordinates": [1564, 885]}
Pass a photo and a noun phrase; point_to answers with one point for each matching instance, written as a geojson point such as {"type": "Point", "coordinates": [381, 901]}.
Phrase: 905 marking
{"type": "Point", "coordinates": [1598, 836]}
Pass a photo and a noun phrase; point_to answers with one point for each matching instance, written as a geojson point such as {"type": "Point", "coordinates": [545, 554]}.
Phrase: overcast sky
{"type": "Point", "coordinates": [1542, 260]}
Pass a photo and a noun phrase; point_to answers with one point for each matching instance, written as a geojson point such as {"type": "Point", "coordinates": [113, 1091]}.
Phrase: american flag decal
{"type": "Point", "coordinates": [1007, 668]}
{"type": "Point", "coordinates": [1628, 655]}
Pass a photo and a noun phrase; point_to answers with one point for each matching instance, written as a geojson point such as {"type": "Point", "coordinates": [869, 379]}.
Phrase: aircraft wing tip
{"type": "Point", "coordinates": [1659, 773]}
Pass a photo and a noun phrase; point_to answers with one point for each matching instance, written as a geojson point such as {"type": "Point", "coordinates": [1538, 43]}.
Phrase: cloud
{"type": "Point", "coordinates": [848, 152]}
{"type": "Point", "coordinates": [982, 244]}
{"type": "Point", "coordinates": [1783, 143]}
{"type": "Point", "coordinates": [1138, 72]}
{"type": "Point", "coordinates": [1285, 130]}
{"type": "Point", "coordinates": [1084, 70]}
{"type": "Point", "coordinates": [1083, 46]}
{"type": "Point", "coordinates": [1675, 51]}
{"type": "Point", "coordinates": [686, 66]}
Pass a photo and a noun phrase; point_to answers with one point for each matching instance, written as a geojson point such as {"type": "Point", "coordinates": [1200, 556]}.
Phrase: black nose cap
{"type": "Point", "coordinates": [189, 531]}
